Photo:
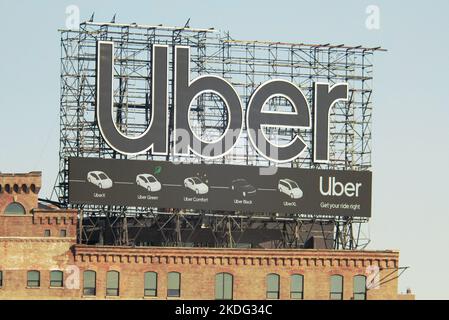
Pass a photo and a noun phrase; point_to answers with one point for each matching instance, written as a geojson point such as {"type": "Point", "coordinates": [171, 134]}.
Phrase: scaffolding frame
{"type": "Point", "coordinates": [245, 64]}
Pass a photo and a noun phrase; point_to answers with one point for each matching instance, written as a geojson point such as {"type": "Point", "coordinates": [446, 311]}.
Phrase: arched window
{"type": "Point", "coordinates": [224, 283]}
{"type": "Point", "coordinates": [297, 286]}
{"type": "Point", "coordinates": [174, 284]}
{"type": "Point", "coordinates": [33, 279]}
{"type": "Point", "coordinates": [56, 279]}
{"type": "Point", "coordinates": [15, 208]}
{"type": "Point", "coordinates": [336, 292]}
{"type": "Point", "coordinates": [112, 283]}
{"type": "Point", "coordinates": [150, 284]}
{"type": "Point", "coordinates": [89, 283]}
{"type": "Point", "coordinates": [273, 286]}
{"type": "Point", "coordinates": [359, 287]}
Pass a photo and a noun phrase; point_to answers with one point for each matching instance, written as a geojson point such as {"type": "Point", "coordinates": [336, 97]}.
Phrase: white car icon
{"type": "Point", "coordinates": [196, 185]}
{"type": "Point", "coordinates": [149, 182]}
{"type": "Point", "coordinates": [100, 179]}
{"type": "Point", "coordinates": [290, 188]}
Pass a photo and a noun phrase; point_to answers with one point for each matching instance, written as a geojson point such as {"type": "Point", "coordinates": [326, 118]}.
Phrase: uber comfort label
{"type": "Point", "coordinates": [160, 184]}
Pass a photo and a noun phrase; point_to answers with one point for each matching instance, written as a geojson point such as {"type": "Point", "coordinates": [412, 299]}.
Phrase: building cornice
{"type": "Point", "coordinates": [225, 256]}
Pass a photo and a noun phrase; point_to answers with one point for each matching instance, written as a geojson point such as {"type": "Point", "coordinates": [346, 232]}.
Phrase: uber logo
{"type": "Point", "coordinates": [186, 90]}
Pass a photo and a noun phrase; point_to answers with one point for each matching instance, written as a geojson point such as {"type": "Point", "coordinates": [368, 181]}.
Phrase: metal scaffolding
{"type": "Point", "coordinates": [245, 64]}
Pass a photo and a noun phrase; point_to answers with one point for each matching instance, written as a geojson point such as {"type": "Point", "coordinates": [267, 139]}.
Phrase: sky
{"type": "Point", "coordinates": [410, 115]}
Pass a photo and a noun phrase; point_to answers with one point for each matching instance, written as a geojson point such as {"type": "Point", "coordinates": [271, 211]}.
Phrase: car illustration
{"type": "Point", "coordinates": [196, 185]}
{"type": "Point", "coordinates": [290, 188]}
{"type": "Point", "coordinates": [149, 182]}
{"type": "Point", "coordinates": [100, 179]}
{"type": "Point", "coordinates": [244, 187]}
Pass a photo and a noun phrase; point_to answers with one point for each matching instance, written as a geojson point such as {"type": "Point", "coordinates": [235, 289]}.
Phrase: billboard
{"type": "Point", "coordinates": [162, 184]}
{"type": "Point", "coordinates": [229, 107]}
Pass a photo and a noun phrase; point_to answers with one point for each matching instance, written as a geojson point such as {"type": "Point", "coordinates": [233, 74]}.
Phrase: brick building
{"type": "Point", "coordinates": [40, 259]}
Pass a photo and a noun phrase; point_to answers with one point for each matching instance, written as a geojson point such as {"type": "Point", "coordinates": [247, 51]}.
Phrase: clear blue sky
{"type": "Point", "coordinates": [411, 114]}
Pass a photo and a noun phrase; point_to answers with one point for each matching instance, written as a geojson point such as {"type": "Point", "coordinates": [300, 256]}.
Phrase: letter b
{"type": "Point", "coordinates": [185, 92]}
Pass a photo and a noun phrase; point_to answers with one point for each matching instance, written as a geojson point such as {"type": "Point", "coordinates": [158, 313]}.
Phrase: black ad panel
{"type": "Point", "coordinates": [160, 184]}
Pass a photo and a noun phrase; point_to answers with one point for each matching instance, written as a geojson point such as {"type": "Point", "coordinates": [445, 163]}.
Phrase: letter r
{"type": "Point", "coordinates": [324, 100]}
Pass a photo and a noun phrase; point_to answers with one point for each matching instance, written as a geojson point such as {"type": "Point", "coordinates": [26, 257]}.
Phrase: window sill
{"type": "Point", "coordinates": [112, 297]}
{"type": "Point", "coordinates": [150, 298]}
{"type": "Point", "coordinates": [32, 287]}
{"type": "Point", "coordinates": [61, 288]}
{"type": "Point", "coordinates": [173, 298]}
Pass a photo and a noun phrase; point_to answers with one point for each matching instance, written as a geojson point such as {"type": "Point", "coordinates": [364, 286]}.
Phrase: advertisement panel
{"type": "Point", "coordinates": [160, 184]}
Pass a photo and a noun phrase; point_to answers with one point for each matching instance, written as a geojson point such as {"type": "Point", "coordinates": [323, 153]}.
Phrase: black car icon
{"type": "Point", "coordinates": [243, 186]}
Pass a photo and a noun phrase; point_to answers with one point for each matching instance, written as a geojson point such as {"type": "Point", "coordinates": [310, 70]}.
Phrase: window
{"type": "Point", "coordinates": [56, 279]}
{"type": "Point", "coordinates": [1, 279]}
{"type": "Point", "coordinates": [112, 283]}
{"type": "Point", "coordinates": [33, 279]}
{"type": "Point", "coordinates": [223, 286]}
{"type": "Point", "coordinates": [63, 233]}
{"type": "Point", "coordinates": [336, 292]}
{"type": "Point", "coordinates": [359, 287]}
{"type": "Point", "coordinates": [15, 208]}
{"type": "Point", "coordinates": [273, 286]}
{"type": "Point", "coordinates": [90, 283]}
{"type": "Point", "coordinates": [47, 233]}
{"type": "Point", "coordinates": [150, 284]}
{"type": "Point", "coordinates": [174, 284]}
{"type": "Point", "coordinates": [297, 287]}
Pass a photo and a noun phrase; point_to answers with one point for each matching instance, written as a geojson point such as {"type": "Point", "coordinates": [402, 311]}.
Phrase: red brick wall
{"type": "Point", "coordinates": [198, 268]}
{"type": "Point", "coordinates": [23, 247]}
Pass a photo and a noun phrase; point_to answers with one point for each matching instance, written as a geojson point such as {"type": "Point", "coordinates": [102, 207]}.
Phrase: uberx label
{"type": "Point", "coordinates": [185, 90]}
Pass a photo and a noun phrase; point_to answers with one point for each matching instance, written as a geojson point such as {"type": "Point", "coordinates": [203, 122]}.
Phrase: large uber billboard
{"type": "Point", "coordinates": [227, 187]}
{"type": "Point", "coordinates": [163, 184]}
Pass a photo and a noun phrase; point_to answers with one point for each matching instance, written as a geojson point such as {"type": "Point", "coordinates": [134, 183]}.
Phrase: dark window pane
{"type": "Point", "coordinates": [150, 285]}
{"type": "Point", "coordinates": [223, 286]}
{"type": "Point", "coordinates": [112, 283]}
{"type": "Point", "coordinates": [297, 286]}
{"type": "Point", "coordinates": [56, 279]}
{"type": "Point", "coordinates": [296, 295]}
{"type": "Point", "coordinates": [33, 279]}
{"type": "Point", "coordinates": [359, 296]}
{"type": "Point", "coordinates": [173, 293]}
{"type": "Point", "coordinates": [47, 233]}
{"type": "Point", "coordinates": [89, 291]}
{"type": "Point", "coordinates": [90, 287]}
{"type": "Point", "coordinates": [219, 286]}
{"type": "Point", "coordinates": [15, 208]}
{"type": "Point", "coordinates": [336, 296]}
{"type": "Point", "coordinates": [174, 284]}
{"type": "Point", "coordinates": [1, 278]}
{"type": "Point", "coordinates": [63, 233]}
{"type": "Point", "coordinates": [272, 295]}
{"type": "Point", "coordinates": [150, 293]}
{"type": "Point", "coordinates": [336, 287]}
{"type": "Point", "coordinates": [359, 287]}
{"type": "Point", "coordinates": [273, 286]}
